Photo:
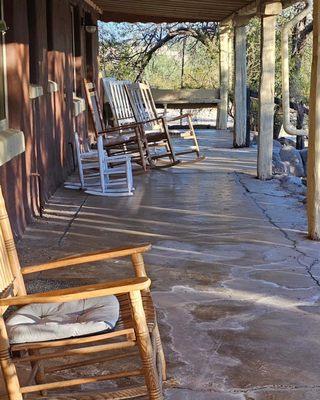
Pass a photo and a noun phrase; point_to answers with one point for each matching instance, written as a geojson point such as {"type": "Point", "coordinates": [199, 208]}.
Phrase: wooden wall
{"type": "Point", "coordinates": [47, 122]}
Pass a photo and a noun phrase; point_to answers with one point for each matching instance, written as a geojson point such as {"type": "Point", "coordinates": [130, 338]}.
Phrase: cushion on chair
{"type": "Point", "coordinates": [52, 321]}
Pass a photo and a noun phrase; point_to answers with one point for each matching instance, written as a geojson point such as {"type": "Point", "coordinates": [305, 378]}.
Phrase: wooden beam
{"type": "Point", "coordinates": [253, 9]}
{"type": "Point", "coordinates": [222, 117]}
{"type": "Point", "coordinates": [266, 97]}
{"type": "Point", "coordinates": [240, 86]}
{"type": "Point", "coordinates": [133, 17]}
{"type": "Point", "coordinates": [314, 134]}
{"type": "Point", "coordinates": [94, 6]}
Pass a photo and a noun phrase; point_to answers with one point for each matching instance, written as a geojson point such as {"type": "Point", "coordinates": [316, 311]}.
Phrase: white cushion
{"type": "Point", "coordinates": [52, 321]}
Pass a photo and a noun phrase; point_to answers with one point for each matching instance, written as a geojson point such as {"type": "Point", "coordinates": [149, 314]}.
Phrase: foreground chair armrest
{"type": "Point", "coordinates": [178, 117]}
{"type": "Point", "coordinates": [87, 258]}
{"type": "Point", "coordinates": [80, 292]}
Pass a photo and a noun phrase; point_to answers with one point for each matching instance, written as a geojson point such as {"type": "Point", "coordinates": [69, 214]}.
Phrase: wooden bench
{"type": "Point", "coordinates": [186, 98]}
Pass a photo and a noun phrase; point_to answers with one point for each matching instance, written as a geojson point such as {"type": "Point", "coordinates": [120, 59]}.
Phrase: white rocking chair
{"type": "Point", "coordinates": [88, 165]}
{"type": "Point", "coordinates": [95, 169]}
{"type": "Point", "coordinates": [111, 172]}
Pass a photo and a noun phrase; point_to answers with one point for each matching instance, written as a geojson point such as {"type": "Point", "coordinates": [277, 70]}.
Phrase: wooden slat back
{"type": "Point", "coordinates": [119, 102]}
{"type": "Point", "coordinates": [94, 107]}
{"type": "Point", "coordinates": [142, 103]}
{"type": "Point", "coordinates": [11, 279]}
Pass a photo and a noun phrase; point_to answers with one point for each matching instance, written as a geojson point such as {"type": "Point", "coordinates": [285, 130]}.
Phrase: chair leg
{"type": "Point", "coordinates": [141, 152]}
{"type": "Point", "coordinates": [145, 347]}
{"type": "Point", "coordinates": [160, 352]}
{"type": "Point", "coordinates": [7, 366]}
{"type": "Point", "coordinates": [40, 375]}
{"type": "Point", "coordinates": [129, 175]}
{"type": "Point", "coordinates": [194, 136]}
{"type": "Point", "coordinates": [169, 142]}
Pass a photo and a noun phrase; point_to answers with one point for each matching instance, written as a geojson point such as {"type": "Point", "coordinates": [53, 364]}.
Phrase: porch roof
{"type": "Point", "coordinates": [168, 10]}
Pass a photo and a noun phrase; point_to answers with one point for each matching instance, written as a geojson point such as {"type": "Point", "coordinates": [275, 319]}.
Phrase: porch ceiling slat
{"type": "Point", "coordinates": [168, 10]}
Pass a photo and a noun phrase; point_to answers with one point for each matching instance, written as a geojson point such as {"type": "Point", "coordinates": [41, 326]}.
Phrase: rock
{"type": "Point", "coordinates": [287, 141]}
{"type": "Point", "coordinates": [304, 157]}
{"type": "Point", "coordinates": [278, 166]}
{"type": "Point", "coordinates": [276, 147]}
{"type": "Point", "coordinates": [292, 155]}
{"type": "Point", "coordinates": [293, 184]}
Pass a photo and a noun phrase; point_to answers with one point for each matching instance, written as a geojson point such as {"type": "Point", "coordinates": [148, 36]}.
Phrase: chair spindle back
{"type": "Point", "coordinates": [94, 107]}
{"type": "Point", "coordinates": [11, 279]}
{"type": "Point", "coordinates": [143, 105]}
{"type": "Point", "coordinates": [119, 102]}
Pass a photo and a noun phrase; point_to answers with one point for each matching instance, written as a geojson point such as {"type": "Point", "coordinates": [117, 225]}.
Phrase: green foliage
{"type": "Point", "coordinates": [163, 71]}
{"type": "Point", "coordinates": [300, 64]}
{"type": "Point", "coordinates": [253, 53]}
{"type": "Point", "coordinates": [200, 69]}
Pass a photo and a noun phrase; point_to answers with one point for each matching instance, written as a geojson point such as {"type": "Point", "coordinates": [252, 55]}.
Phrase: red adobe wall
{"type": "Point", "coordinates": [47, 122]}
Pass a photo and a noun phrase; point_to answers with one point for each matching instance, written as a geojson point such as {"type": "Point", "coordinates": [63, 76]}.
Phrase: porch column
{"type": "Point", "coordinates": [240, 86]}
{"type": "Point", "coordinates": [222, 116]}
{"type": "Point", "coordinates": [266, 96]}
{"type": "Point", "coordinates": [314, 133]}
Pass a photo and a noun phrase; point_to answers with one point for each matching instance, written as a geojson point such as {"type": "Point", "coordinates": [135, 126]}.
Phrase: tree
{"type": "Point", "coordinates": [134, 45]}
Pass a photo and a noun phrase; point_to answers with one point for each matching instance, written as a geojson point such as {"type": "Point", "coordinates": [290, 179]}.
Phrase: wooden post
{"type": "Point", "coordinates": [248, 137]}
{"type": "Point", "coordinates": [240, 86]}
{"type": "Point", "coordinates": [266, 95]}
{"type": "Point", "coordinates": [314, 134]}
{"type": "Point", "coordinates": [222, 116]}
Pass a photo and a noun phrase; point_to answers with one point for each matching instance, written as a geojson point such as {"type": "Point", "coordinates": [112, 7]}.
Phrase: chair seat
{"type": "Point", "coordinates": [53, 321]}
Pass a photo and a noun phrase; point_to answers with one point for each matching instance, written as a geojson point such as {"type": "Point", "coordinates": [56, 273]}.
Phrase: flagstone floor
{"type": "Point", "coordinates": [235, 280]}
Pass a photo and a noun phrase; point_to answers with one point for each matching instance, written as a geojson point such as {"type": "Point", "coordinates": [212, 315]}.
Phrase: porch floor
{"type": "Point", "coordinates": [235, 281]}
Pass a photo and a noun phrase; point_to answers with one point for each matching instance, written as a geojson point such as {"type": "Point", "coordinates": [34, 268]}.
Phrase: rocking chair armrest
{"type": "Point", "coordinates": [119, 128]}
{"type": "Point", "coordinates": [178, 117]}
{"type": "Point", "coordinates": [159, 118]}
{"type": "Point", "coordinates": [87, 258]}
{"type": "Point", "coordinates": [122, 157]}
{"type": "Point", "coordinates": [80, 292]}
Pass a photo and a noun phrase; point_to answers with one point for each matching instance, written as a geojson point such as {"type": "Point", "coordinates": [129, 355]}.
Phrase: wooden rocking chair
{"type": "Point", "coordinates": [116, 140]}
{"type": "Point", "coordinates": [144, 109]}
{"type": "Point", "coordinates": [136, 327]}
{"type": "Point", "coordinates": [124, 115]}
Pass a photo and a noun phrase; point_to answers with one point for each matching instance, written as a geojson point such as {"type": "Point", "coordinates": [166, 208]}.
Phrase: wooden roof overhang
{"type": "Point", "coordinates": [169, 10]}
{"type": "Point", "coordinates": [180, 10]}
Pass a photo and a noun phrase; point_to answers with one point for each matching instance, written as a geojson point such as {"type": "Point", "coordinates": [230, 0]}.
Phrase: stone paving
{"type": "Point", "coordinates": [234, 278]}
